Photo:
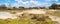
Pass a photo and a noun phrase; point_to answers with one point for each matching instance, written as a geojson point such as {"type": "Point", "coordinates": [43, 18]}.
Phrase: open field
{"type": "Point", "coordinates": [32, 16]}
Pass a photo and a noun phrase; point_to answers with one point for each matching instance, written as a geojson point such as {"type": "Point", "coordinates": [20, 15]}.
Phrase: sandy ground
{"type": "Point", "coordinates": [4, 15]}
{"type": "Point", "coordinates": [34, 11]}
{"type": "Point", "coordinates": [54, 18]}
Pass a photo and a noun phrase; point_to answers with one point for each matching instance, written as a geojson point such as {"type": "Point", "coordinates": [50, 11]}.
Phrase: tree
{"type": "Point", "coordinates": [14, 8]}
{"type": "Point", "coordinates": [42, 7]}
{"type": "Point", "coordinates": [54, 6]}
{"type": "Point", "coordinates": [21, 7]}
{"type": "Point", "coordinates": [3, 7]}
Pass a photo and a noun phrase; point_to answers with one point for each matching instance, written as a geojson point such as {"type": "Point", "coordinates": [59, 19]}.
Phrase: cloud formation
{"type": "Point", "coordinates": [32, 3]}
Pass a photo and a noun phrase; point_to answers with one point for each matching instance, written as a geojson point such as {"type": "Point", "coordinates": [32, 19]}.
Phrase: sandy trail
{"type": "Point", "coordinates": [34, 11]}
{"type": "Point", "coordinates": [55, 18]}
{"type": "Point", "coordinates": [4, 15]}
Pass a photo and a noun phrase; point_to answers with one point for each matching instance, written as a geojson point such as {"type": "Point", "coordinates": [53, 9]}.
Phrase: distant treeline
{"type": "Point", "coordinates": [53, 6]}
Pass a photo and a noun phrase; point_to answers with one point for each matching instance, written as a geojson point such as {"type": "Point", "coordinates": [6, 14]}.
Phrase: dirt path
{"type": "Point", "coordinates": [54, 18]}
{"type": "Point", "coordinates": [7, 15]}
{"type": "Point", "coordinates": [34, 11]}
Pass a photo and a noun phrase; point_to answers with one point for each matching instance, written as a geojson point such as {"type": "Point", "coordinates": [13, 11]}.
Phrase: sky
{"type": "Point", "coordinates": [29, 3]}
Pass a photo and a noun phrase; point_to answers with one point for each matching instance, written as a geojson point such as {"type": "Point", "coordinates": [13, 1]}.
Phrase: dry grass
{"type": "Point", "coordinates": [26, 18]}
{"type": "Point", "coordinates": [54, 13]}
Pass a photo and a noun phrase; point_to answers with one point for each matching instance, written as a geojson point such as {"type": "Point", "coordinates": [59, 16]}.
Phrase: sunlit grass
{"type": "Point", "coordinates": [27, 19]}
{"type": "Point", "coordinates": [54, 13]}
{"type": "Point", "coordinates": [13, 12]}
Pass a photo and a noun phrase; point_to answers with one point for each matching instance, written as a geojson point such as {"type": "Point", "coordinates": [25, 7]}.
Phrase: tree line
{"type": "Point", "coordinates": [53, 6]}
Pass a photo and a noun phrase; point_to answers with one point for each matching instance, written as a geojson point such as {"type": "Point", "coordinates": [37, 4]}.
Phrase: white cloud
{"type": "Point", "coordinates": [58, 3]}
{"type": "Point", "coordinates": [27, 3]}
{"type": "Point", "coordinates": [48, 2]}
{"type": "Point", "coordinates": [51, 0]}
{"type": "Point", "coordinates": [56, 0]}
{"type": "Point", "coordinates": [31, 3]}
{"type": "Point", "coordinates": [7, 4]}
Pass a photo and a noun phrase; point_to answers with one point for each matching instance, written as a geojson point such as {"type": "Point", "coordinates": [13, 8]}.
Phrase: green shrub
{"type": "Point", "coordinates": [13, 12]}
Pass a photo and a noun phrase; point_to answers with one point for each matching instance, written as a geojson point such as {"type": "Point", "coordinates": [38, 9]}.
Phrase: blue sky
{"type": "Point", "coordinates": [29, 3]}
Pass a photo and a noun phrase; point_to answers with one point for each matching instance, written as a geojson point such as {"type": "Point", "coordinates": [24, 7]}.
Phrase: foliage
{"type": "Point", "coordinates": [54, 6]}
{"type": "Point", "coordinates": [3, 7]}
{"type": "Point", "coordinates": [13, 12]}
